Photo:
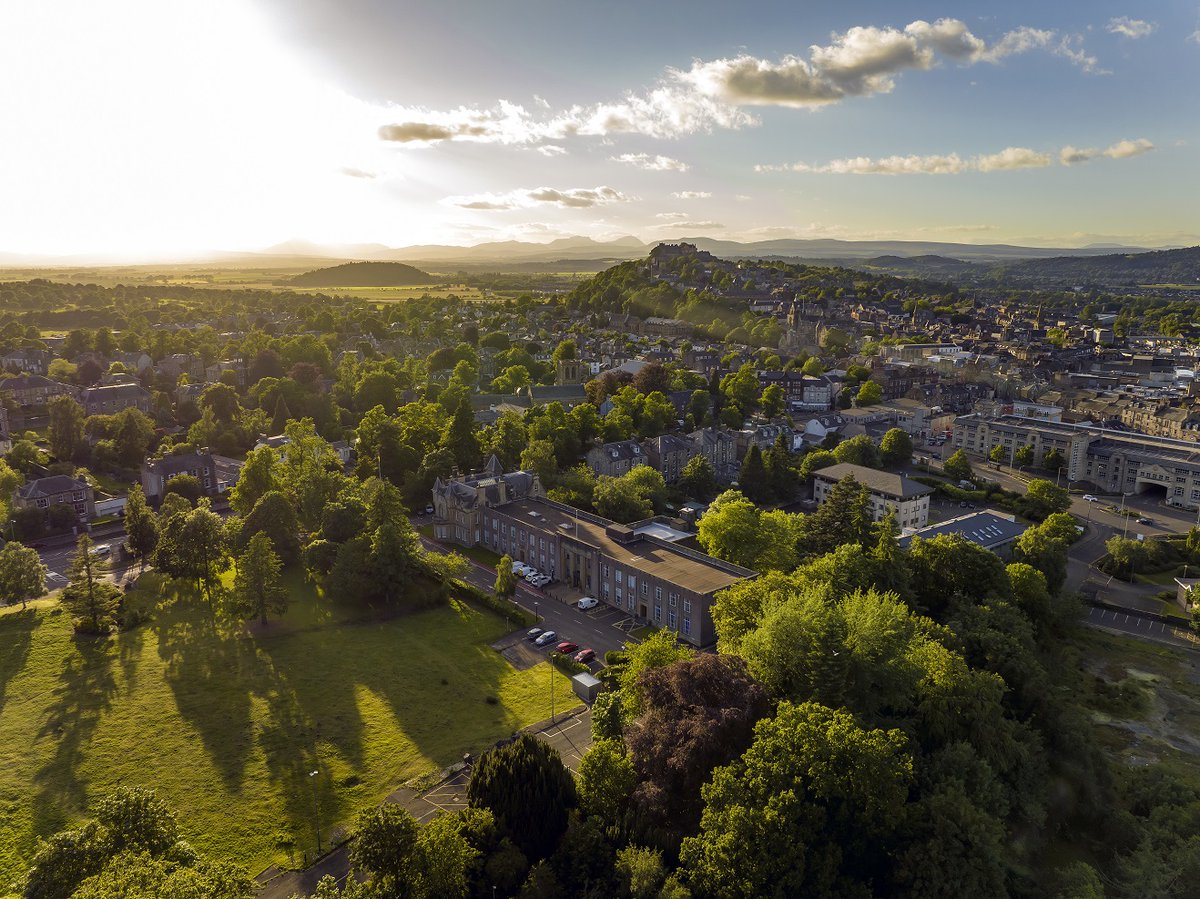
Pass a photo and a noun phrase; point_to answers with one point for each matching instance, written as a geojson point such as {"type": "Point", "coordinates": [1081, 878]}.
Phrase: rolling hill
{"type": "Point", "coordinates": [364, 274]}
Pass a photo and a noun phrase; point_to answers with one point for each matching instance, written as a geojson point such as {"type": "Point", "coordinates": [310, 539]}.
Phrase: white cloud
{"type": "Point", "coordinates": [351, 172]}
{"type": "Point", "coordinates": [689, 224]}
{"type": "Point", "coordinates": [1008, 159]}
{"type": "Point", "coordinates": [1071, 48]}
{"type": "Point", "coordinates": [1125, 148]}
{"type": "Point", "coordinates": [860, 61]}
{"type": "Point", "coordinates": [651, 163]}
{"type": "Point", "coordinates": [691, 195]}
{"type": "Point", "coordinates": [1122, 149]}
{"type": "Point", "coordinates": [1130, 28]}
{"type": "Point", "coordinates": [575, 198]}
{"type": "Point", "coordinates": [1012, 158]}
{"type": "Point", "coordinates": [1194, 37]}
{"type": "Point", "coordinates": [552, 150]}
{"type": "Point", "coordinates": [670, 215]}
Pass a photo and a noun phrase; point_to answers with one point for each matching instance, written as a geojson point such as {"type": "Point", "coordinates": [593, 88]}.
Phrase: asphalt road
{"type": "Point", "coordinates": [1144, 628]}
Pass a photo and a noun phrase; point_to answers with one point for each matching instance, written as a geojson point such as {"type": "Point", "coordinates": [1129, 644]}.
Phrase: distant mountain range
{"type": "Point", "coordinates": [585, 248]}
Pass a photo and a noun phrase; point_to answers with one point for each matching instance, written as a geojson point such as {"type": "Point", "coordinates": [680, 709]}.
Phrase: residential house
{"type": "Point", "coordinates": [199, 464]}
{"type": "Point", "coordinates": [615, 459]}
{"type": "Point", "coordinates": [112, 398]}
{"type": "Point", "coordinates": [719, 448]}
{"type": "Point", "coordinates": [668, 454]}
{"type": "Point", "coordinates": [34, 390]}
{"type": "Point", "coordinates": [27, 359]}
{"type": "Point", "coordinates": [56, 490]}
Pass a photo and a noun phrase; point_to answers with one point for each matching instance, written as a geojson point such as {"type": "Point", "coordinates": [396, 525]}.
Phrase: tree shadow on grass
{"type": "Point", "coordinates": [84, 694]}
{"type": "Point", "coordinates": [16, 636]}
{"type": "Point", "coordinates": [212, 673]}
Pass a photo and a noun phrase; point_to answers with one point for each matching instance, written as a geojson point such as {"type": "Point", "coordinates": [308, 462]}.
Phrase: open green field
{"type": "Point", "coordinates": [226, 723]}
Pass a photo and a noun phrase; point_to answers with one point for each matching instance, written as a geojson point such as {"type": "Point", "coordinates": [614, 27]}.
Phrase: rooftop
{"type": "Point", "coordinates": [885, 482]}
{"type": "Point", "coordinates": [986, 528]}
{"type": "Point", "coordinates": [685, 568]}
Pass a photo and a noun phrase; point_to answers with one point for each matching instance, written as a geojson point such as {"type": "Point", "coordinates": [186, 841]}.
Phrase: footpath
{"type": "Point", "coordinates": [570, 733]}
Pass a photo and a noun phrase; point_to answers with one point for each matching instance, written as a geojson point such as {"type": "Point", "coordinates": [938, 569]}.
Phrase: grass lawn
{"type": "Point", "coordinates": [226, 723]}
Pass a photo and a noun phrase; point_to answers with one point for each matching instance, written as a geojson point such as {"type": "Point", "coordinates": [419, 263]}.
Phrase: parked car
{"type": "Point", "coordinates": [588, 602]}
{"type": "Point", "coordinates": [546, 638]}
{"type": "Point", "coordinates": [1088, 498]}
{"type": "Point", "coordinates": [542, 580]}
{"type": "Point", "coordinates": [531, 573]}
{"type": "Point", "coordinates": [533, 633]}
{"type": "Point", "coordinates": [103, 550]}
{"type": "Point", "coordinates": [567, 646]}
{"type": "Point", "coordinates": [54, 580]}
{"type": "Point", "coordinates": [585, 655]}
{"type": "Point", "coordinates": [519, 569]}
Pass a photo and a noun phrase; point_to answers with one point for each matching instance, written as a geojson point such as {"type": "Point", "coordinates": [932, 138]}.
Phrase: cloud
{"type": "Point", "coordinates": [689, 224]}
{"type": "Point", "coordinates": [1130, 28]}
{"type": "Point", "coordinates": [1194, 37]}
{"type": "Point", "coordinates": [1122, 149]}
{"type": "Point", "coordinates": [670, 215]}
{"type": "Point", "coordinates": [651, 163]}
{"type": "Point", "coordinates": [552, 150]}
{"type": "Point", "coordinates": [575, 198]}
{"type": "Point", "coordinates": [712, 94]}
{"type": "Point", "coordinates": [691, 195]}
{"type": "Point", "coordinates": [1008, 159]}
{"type": "Point", "coordinates": [1012, 158]}
{"type": "Point", "coordinates": [1071, 48]}
{"type": "Point", "coordinates": [351, 172]}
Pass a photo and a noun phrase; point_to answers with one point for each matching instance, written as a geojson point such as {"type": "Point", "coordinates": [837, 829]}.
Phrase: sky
{"type": "Point", "coordinates": [138, 129]}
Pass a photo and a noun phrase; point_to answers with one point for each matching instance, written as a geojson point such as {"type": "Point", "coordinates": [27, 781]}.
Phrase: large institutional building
{"type": "Point", "coordinates": [909, 498]}
{"type": "Point", "coordinates": [1113, 461]}
{"type": "Point", "coordinates": [624, 566]}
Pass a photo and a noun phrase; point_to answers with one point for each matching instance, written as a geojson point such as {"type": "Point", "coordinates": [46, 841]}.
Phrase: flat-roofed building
{"type": "Point", "coordinates": [993, 531]}
{"type": "Point", "coordinates": [885, 490]}
{"type": "Point", "coordinates": [1112, 461]}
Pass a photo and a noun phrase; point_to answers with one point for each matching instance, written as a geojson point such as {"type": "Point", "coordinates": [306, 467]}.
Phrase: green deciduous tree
{"type": "Point", "coordinates": [506, 581]}
{"type": "Point", "coordinates": [1042, 499]}
{"type": "Point", "coordinates": [66, 427]}
{"type": "Point", "coordinates": [958, 466]}
{"type": "Point", "coordinates": [869, 393]}
{"type": "Point", "coordinates": [141, 526]}
{"type": "Point", "coordinates": [257, 477]}
{"type": "Point", "coordinates": [273, 515]}
{"type": "Point", "coordinates": [860, 450]}
{"type": "Point", "coordinates": [896, 447]}
{"type": "Point", "coordinates": [698, 479]}
{"type": "Point", "coordinates": [257, 586]}
{"type": "Point", "coordinates": [802, 811]}
{"type": "Point", "coordinates": [22, 574]}
{"type": "Point", "coordinates": [736, 530]}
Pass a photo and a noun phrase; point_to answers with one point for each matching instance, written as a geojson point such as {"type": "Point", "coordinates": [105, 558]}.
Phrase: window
{"type": "Point", "coordinates": [620, 593]}
{"type": "Point", "coordinates": [687, 607]}
{"type": "Point", "coordinates": [604, 570]}
{"type": "Point", "coordinates": [632, 581]}
{"type": "Point", "coordinates": [671, 620]}
{"type": "Point", "coordinates": [687, 625]}
{"type": "Point", "coordinates": [619, 578]}
{"type": "Point", "coordinates": [645, 588]}
{"type": "Point", "coordinates": [672, 599]}
{"type": "Point", "coordinates": [658, 594]}
{"type": "Point", "coordinates": [658, 612]}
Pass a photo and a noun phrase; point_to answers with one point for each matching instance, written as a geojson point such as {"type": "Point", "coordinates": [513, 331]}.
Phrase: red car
{"type": "Point", "coordinates": [585, 655]}
{"type": "Point", "coordinates": [567, 646]}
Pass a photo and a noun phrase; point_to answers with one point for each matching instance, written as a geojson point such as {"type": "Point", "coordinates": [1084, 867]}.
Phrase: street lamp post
{"type": "Point", "coordinates": [536, 617]}
{"type": "Point", "coordinates": [316, 809]}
